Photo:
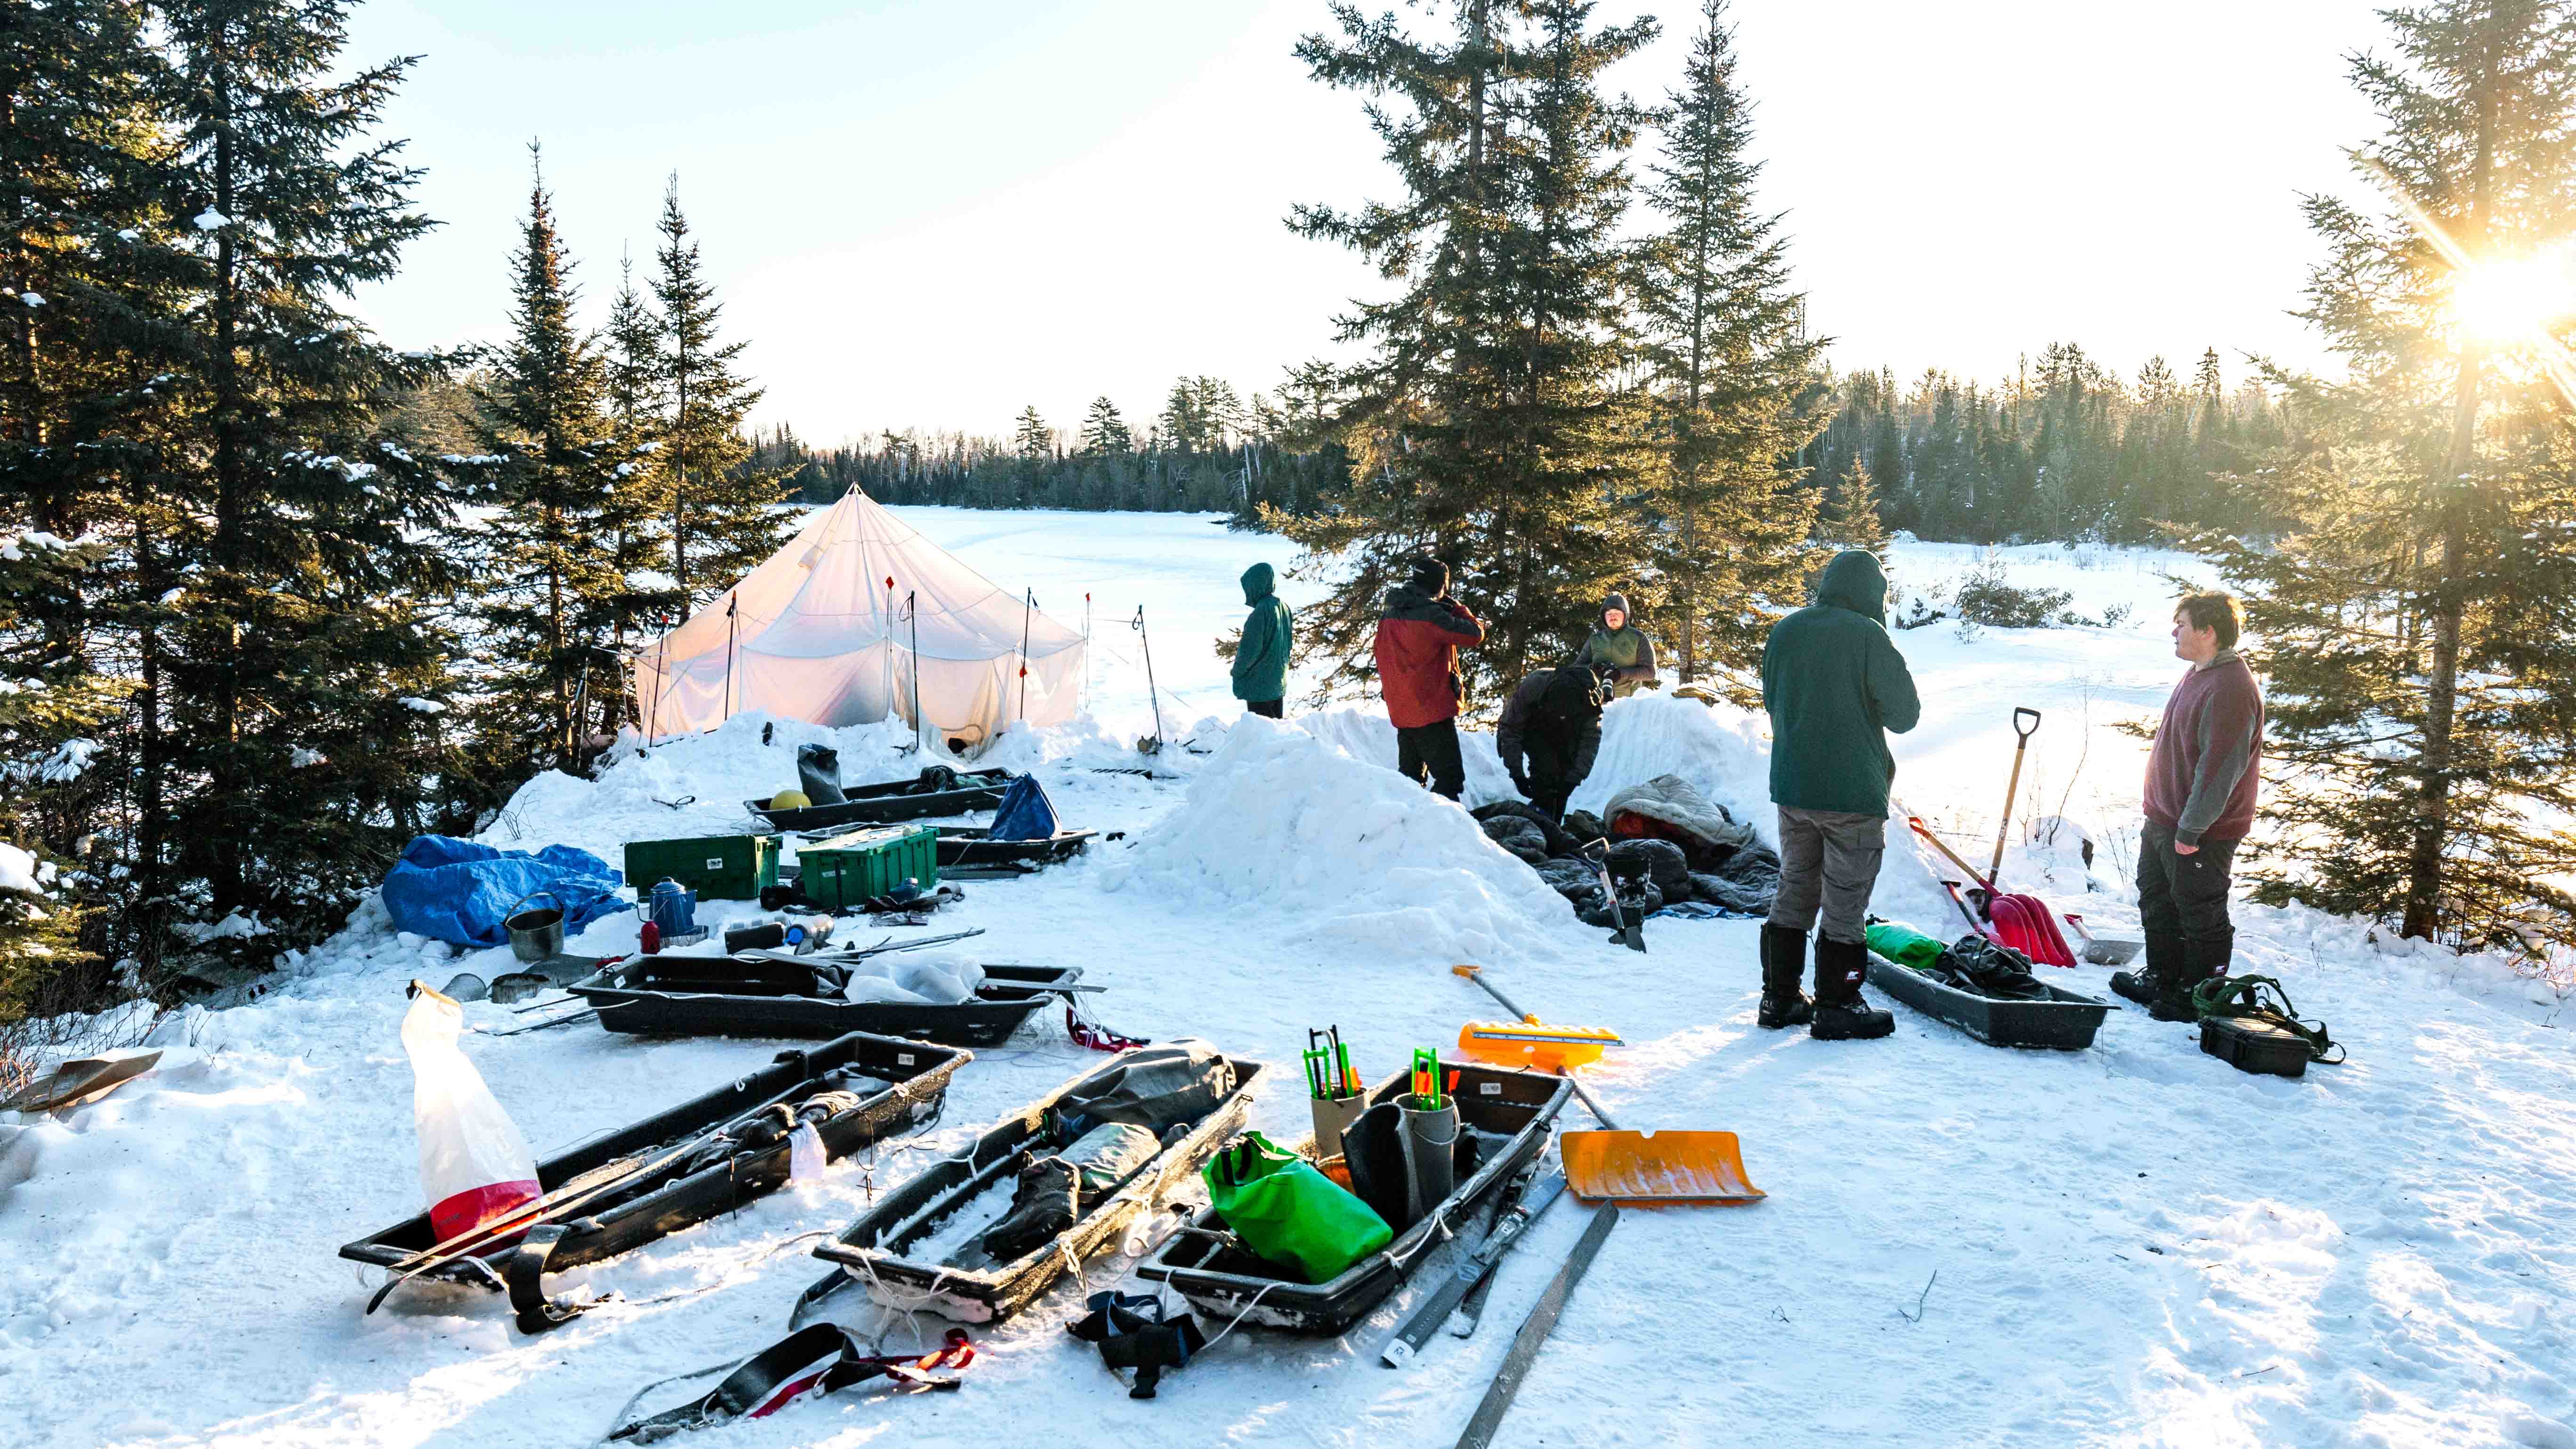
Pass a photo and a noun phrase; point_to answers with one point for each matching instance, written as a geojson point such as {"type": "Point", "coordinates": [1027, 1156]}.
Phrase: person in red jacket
{"type": "Point", "coordinates": [1419, 635]}
{"type": "Point", "coordinates": [2202, 779]}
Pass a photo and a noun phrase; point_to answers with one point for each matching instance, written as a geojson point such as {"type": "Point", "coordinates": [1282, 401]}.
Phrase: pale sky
{"type": "Point", "coordinates": [933, 213]}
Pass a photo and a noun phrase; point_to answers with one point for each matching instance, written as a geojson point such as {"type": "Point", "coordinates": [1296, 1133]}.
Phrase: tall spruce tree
{"type": "Point", "coordinates": [637, 517]}
{"type": "Point", "coordinates": [723, 514]}
{"type": "Point", "coordinates": [1105, 433]}
{"type": "Point", "coordinates": [1735, 378]}
{"type": "Point", "coordinates": [2416, 614]}
{"type": "Point", "coordinates": [1030, 435]}
{"type": "Point", "coordinates": [550, 594]}
{"type": "Point", "coordinates": [1492, 424]}
{"type": "Point", "coordinates": [298, 685]}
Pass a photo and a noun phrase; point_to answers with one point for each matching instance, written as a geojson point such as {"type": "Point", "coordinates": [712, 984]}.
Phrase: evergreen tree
{"type": "Point", "coordinates": [2415, 615]}
{"type": "Point", "coordinates": [1491, 424]}
{"type": "Point", "coordinates": [635, 521]}
{"type": "Point", "coordinates": [292, 674]}
{"type": "Point", "coordinates": [1031, 436]}
{"type": "Point", "coordinates": [1104, 431]}
{"type": "Point", "coordinates": [1734, 371]}
{"type": "Point", "coordinates": [551, 592]}
{"type": "Point", "coordinates": [1850, 519]}
{"type": "Point", "coordinates": [723, 516]}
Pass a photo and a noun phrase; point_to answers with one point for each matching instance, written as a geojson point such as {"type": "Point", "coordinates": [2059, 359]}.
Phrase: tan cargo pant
{"type": "Point", "coordinates": [1828, 859]}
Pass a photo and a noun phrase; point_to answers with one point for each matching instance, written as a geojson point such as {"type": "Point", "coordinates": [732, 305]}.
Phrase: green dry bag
{"type": "Point", "coordinates": [1290, 1213]}
{"type": "Point", "coordinates": [1903, 944]}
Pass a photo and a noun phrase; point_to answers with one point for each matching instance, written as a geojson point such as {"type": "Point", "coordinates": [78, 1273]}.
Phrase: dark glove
{"type": "Point", "coordinates": [1520, 783]}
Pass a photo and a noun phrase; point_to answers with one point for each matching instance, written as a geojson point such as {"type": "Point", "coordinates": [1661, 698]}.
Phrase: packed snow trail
{"type": "Point", "coordinates": [2134, 1244]}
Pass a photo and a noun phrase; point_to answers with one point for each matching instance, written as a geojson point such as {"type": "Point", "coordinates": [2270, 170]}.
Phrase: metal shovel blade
{"type": "Point", "coordinates": [1658, 1169]}
{"type": "Point", "coordinates": [2100, 952]}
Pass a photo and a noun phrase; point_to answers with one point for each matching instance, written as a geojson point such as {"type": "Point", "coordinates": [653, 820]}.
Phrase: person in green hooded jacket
{"type": "Point", "coordinates": [1261, 659]}
{"type": "Point", "coordinates": [1834, 685]}
{"type": "Point", "coordinates": [1620, 646]}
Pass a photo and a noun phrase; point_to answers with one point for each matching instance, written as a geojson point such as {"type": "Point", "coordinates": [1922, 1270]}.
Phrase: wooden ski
{"type": "Point", "coordinates": [1534, 1331]}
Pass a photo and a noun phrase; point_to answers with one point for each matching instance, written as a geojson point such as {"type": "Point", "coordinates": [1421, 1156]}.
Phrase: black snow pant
{"type": "Point", "coordinates": [1432, 751]}
{"type": "Point", "coordinates": [1557, 765]}
{"type": "Point", "coordinates": [1266, 708]}
{"type": "Point", "coordinates": [2182, 906]}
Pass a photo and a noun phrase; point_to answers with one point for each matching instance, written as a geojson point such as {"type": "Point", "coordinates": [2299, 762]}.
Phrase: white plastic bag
{"type": "Point", "coordinates": [915, 981]}
{"type": "Point", "coordinates": [474, 1165]}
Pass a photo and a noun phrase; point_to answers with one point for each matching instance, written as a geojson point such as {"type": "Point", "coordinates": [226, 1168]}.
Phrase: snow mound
{"type": "Point", "coordinates": [1724, 753]}
{"type": "Point", "coordinates": [1348, 855]}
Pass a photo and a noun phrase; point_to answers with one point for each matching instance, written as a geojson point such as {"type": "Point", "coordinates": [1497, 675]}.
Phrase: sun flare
{"type": "Point", "coordinates": [2514, 300]}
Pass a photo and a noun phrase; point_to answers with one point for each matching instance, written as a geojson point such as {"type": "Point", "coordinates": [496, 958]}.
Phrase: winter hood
{"type": "Point", "coordinates": [1620, 603]}
{"type": "Point", "coordinates": [1854, 581]}
{"type": "Point", "coordinates": [1258, 583]}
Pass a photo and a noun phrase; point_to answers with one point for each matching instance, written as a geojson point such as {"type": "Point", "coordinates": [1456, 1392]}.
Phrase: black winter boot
{"type": "Point", "coordinates": [1840, 1015]}
{"type": "Point", "coordinates": [1784, 961]}
{"type": "Point", "coordinates": [2201, 960]}
{"type": "Point", "coordinates": [2164, 963]}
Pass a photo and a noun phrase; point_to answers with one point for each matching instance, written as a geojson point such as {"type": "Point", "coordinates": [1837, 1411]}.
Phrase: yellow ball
{"type": "Point", "coordinates": [789, 800]}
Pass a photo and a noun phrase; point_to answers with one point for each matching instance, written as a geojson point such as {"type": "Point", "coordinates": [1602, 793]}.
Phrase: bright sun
{"type": "Point", "coordinates": [2508, 301]}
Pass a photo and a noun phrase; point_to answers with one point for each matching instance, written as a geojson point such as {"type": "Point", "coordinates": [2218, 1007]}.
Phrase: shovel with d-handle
{"type": "Point", "coordinates": [2012, 787]}
{"type": "Point", "coordinates": [1642, 1169]}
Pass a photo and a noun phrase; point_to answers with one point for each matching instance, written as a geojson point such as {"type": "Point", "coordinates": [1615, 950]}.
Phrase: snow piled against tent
{"type": "Point", "coordinates": [1357, 856]}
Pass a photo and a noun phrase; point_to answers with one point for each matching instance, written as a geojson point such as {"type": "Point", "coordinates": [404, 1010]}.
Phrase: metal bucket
{"type": "Point", "coordinates": [537, 934]}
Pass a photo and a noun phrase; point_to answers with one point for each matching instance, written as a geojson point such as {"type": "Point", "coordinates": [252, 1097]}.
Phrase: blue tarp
{"type": "Point", "coordinates": [1024, 814]}
{"type": "Point", "coordinates": [459, 892]}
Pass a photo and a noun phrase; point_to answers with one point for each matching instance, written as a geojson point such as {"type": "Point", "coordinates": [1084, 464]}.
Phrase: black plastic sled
{"type": "Point", "coordinates": [964, 848]}
{"type": "Point", "coordinates": [2064, 1022]}
{"type": "Point", "coordinates": [891, 1253]}
{"type": "Point", "coordinates": [671, 995]}
{"type": "Point", "coordinates": [898, 1083]}
{"type": "Point", "coordinates": [897, 800]}
{"type": "Point", "coordinates": [1509, 1112]}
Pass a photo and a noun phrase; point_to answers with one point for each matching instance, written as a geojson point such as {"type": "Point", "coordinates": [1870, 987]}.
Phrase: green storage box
{"type": "Point", "coordinates": [717, 867]}
{"type": "Point", "coordinates": [841, 872]}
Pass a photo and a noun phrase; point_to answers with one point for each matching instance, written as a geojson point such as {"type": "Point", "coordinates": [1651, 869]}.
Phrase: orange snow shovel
{"type": "Point", "coordinates": [1634, 1169]}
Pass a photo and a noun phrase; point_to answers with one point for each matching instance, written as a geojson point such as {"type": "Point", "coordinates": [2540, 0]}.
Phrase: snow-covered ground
{"type": "Point", "coordinates": [2133, 1244]}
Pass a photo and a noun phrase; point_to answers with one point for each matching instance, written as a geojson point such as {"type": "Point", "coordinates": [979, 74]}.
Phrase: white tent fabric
{"type": "Point", "coordinates": [819, 634]}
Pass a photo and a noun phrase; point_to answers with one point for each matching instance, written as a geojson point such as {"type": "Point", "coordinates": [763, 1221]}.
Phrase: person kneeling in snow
{"type": "Point", "coordinates": [2201, 782]}
{"type": "Point", "coordinates": [1549, 733]}
{"type": "Point", "coordinates": [1418, 639]}
{"type": "Point", "coordinates": [1833, 683]}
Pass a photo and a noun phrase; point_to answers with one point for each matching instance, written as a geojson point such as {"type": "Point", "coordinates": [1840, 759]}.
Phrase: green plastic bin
{"type": "Point", "coordinates": [847, 869]}
{"type": "Point", "coordinates": [717, 867]}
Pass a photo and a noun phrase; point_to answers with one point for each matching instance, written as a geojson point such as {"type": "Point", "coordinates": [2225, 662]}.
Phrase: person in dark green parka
{"type": "Point", "coordinates": [1833, 684]}
{"type": "Point", "coordinates": [1261, 659]}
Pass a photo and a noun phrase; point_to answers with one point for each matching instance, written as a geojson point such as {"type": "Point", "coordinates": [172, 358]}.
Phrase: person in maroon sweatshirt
{"type": "Point", "coordinates": [1419, 635]}
{"type": "Point", "coordinates": [2201, 783]}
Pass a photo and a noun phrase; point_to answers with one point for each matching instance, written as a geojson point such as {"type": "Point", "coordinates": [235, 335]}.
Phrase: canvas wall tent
{"type": "Point", "coordinates": [817, 634]}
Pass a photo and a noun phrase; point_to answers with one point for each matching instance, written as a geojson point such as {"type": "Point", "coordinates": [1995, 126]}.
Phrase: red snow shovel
{"type": "Point", "coordinates": [2019, 921]}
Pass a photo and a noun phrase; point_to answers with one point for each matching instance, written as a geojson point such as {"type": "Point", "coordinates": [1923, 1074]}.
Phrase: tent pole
{"type": "Point", "coordinates": [1026, 611]}
{"type": "Point", "coordinates": [889, 639]}
{"type": "Point", "coordinates": [1150, 692]}
{"type": "Point", "coordinates": [661, 686]}
{"type": "Point", "coordinates": [912, 605]}
{"type": "Point", "coordinates": [732, 628]}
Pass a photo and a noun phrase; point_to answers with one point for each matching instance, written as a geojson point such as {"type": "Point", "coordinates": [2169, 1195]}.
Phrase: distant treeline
{"type": "Point", "coordinates": [2064, 450]}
